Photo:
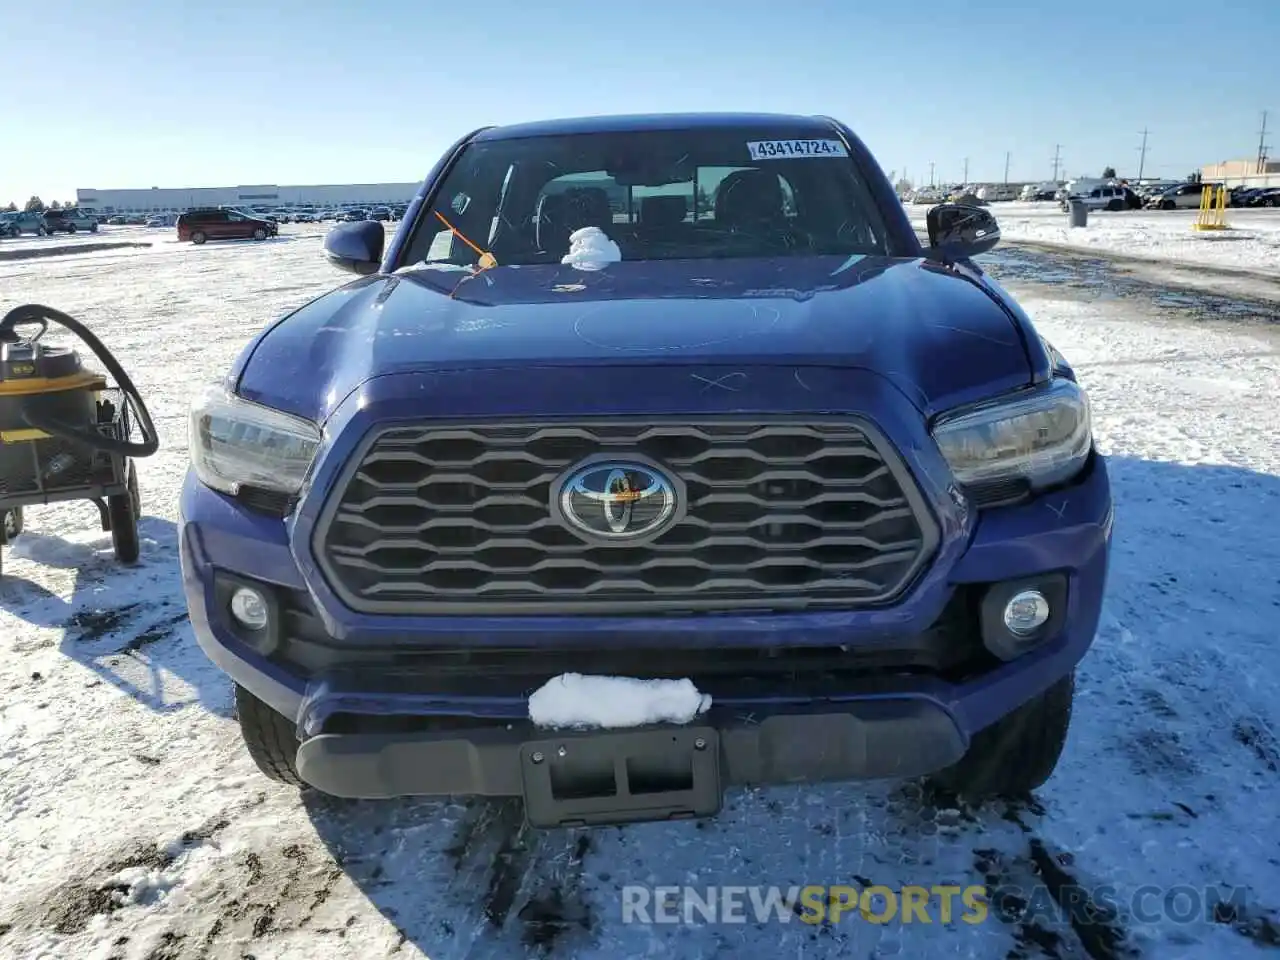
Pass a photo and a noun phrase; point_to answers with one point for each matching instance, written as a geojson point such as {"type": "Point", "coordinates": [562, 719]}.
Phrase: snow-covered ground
{"type": "Point", "coordinates": [134, 827]}
{"type": "Point", "coordinates": [153, 236]}
{"type": "Point", "coordinates": [104, 233]}
{"type": "Point", "coordinates": [1253, 243]}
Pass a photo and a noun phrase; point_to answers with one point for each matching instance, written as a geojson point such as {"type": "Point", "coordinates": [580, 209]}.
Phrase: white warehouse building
{"type": "Point", "coordinates": [269, 196]}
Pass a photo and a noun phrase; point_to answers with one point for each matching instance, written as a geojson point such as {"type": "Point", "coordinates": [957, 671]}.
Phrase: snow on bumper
{"type": "Point", "coordinates": [575, 701]}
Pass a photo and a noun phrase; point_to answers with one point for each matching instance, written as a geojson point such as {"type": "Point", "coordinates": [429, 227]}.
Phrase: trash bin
{"type": "Point", "coordinates": [1079, 213]}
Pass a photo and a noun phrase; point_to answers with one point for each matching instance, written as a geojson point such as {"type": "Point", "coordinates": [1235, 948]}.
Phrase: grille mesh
{"type": "Point", "coordinates": [438, 519]}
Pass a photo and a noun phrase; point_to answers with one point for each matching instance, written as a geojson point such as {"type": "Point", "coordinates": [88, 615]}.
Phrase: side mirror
{"type": "Point", "coordinates": [958, 231]}
{"type": "Point", "coordinates": [356, 247]}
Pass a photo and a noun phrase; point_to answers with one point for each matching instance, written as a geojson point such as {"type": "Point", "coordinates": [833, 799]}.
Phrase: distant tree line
{"type": "Point", "coordinates": [39, 206]}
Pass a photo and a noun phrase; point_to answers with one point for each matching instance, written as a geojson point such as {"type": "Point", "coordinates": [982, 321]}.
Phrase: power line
{"type": "Point", "coordinates": [1142, 154]}
{"type": "Point", "coordinates": [1057, 160]}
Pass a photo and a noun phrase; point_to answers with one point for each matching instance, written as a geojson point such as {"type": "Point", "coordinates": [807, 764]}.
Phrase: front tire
{"type": "Point", "coordinates": [269, 737]}
{"type": "Point", "coordinates": [198, 237]}
{"type": "Point", "coordinates": [1017, 753]}
{"type": "Point", "coordinates": [259, 234]}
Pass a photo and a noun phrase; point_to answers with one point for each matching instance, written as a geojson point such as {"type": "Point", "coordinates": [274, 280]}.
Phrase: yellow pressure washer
{"type": "Point", "coordinates": [66, 433]}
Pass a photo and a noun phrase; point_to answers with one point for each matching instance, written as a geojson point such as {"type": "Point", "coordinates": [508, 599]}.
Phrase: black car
{"type": "Point", "coordinates": [1263, 197]}
{"type": "Point", "coordinates": [70, 220]}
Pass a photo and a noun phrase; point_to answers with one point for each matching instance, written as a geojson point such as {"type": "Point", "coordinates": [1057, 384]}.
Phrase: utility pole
{"type": "Point", "coordinates": [1142, 154]}
{"type": "Point", "coordinates": [966, 171]}
{"type": "Point", "coordinates": [1057, 160]}
{"type": "Point", "coordinates": [1006, 167]}
{"type": "Point", "coordinates": [1262, 145]}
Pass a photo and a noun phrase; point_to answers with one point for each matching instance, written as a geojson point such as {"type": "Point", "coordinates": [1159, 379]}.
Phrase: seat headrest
{"type": "Point", "coordinates": [663, 211]}
{"type": "Point", "coordinates": [750, 195]}
{"type": "Point", "coordinates": [559, 214]}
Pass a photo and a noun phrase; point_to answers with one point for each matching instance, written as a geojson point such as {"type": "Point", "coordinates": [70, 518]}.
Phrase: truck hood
{"type": "Point", "coordinates": [936, 335]}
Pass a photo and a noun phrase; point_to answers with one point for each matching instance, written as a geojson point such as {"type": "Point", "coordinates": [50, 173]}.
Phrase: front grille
{"type": "Point", "coordinates": [438, 519]}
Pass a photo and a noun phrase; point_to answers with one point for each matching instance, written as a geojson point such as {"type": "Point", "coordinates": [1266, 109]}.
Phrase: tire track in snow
{"type": "Point", "coordinates": [245, 896]}
{"type": "Point", "coordinates": [529, 882]}
{"type": "Point", "coordinates": [128, 878]}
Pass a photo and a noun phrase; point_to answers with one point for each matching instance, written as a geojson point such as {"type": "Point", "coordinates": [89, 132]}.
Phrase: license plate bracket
{"type": "Point", "coordinates": [622, 777]}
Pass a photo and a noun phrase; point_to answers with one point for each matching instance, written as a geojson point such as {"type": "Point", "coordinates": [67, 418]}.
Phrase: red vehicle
{"type": "Point", "coordinates": [223, 224]}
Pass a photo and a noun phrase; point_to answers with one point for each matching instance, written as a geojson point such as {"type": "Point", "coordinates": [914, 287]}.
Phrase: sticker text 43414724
{"type": "Point", "coordinates": [790, 149]}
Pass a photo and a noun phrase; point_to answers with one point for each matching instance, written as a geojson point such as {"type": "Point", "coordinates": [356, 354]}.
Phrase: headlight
{"type": "Point", "coordinates": [236, 443]}
{"type": "Point", "coordinates": [1042, 437]}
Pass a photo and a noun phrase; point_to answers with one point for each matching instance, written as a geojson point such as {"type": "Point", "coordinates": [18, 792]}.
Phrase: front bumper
{"type": "Point", "coordinates": [659, 772]}
{"type": "Point", "coordinates": [376, 719]}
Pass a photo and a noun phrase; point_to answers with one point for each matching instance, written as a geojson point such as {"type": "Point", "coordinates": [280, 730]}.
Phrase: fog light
{"type": "Point", "coordinates": [250, 608]}
{"type": "Point", "coordinates": [1026, 612]}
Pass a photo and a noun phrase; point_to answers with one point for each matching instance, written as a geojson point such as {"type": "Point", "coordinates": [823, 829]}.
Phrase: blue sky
{"type": "Point", "coordinates": [138, 93]}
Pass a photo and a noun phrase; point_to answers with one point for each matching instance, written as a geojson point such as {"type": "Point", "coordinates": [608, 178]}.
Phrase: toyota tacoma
{"type": "Point", "coordinates": [670, 397]}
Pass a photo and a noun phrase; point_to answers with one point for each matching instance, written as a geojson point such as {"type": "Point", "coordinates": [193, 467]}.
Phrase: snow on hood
{"type": "Point", "coordinates": [591, 249]}
{"type": "Point", "coordinates": [573, 700]}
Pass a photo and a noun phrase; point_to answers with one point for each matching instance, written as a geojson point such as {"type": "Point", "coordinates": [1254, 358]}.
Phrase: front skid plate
{"type": "Point", "coordinates": [622, 777]}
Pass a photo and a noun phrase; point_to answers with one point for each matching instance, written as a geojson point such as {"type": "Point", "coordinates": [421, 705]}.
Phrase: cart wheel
{"type": "Point", "coordinates": [123, 508]}
{"type": "Point", "coordinates": [134, 496]}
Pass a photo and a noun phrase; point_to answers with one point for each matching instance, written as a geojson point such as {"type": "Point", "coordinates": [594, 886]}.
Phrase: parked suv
{"type": "Point", "coordinates": [69, 221]}
{"type": "Point", "coordinates": [821, 501]}
{"type": "Point", "coordinates": [1183, 196]}
{"type": "Point", "coordinates": [25, 221]}
{"type": "Point", "coordinates": [218, 224]}
{"type": "Point", "coordinates": [1105, 197]}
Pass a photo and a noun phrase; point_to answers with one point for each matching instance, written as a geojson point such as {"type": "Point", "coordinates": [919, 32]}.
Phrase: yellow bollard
{"type": "Point", "coordinates": [1213, 210]}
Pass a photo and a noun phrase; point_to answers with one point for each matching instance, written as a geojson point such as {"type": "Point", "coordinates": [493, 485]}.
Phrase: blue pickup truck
{"type": "Point", "coordinates": [675, 397]}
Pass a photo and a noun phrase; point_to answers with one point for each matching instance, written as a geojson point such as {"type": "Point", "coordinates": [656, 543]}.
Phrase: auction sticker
{"type": "Point", "coordinates": [787, 149]}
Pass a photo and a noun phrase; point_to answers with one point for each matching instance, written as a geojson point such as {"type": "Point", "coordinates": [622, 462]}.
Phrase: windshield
{"type": "Point", "coordinates": [658, 195]}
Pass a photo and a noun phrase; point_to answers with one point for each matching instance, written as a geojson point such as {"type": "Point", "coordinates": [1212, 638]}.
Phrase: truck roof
{"type": "Point", "coordinates": [636, 122]}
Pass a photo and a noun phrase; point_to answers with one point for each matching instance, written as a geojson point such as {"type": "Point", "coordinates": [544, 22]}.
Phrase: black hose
{"type": "Point", "coordinates": [36, 313]}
